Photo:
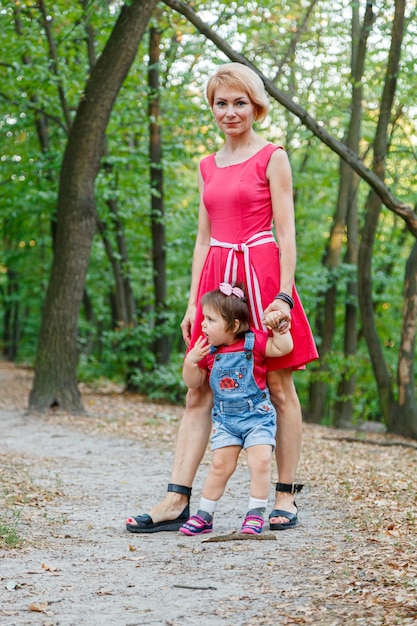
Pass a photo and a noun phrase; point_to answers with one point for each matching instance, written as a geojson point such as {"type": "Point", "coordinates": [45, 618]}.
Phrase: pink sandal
{"type": "Point", "coordinates": [196, 525]}
{"type": "Point", "coordinates": [252, 525]}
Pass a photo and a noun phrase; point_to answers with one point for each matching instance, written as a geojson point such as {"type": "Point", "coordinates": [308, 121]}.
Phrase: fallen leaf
{"type": "Point", "coordinates": [49, 568]}
{"type": "Point", "coordinates": [38, 607]}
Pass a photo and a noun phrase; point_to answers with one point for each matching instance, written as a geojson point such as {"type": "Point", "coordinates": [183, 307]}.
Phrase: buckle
{"type": "Point", "coordinates": [291, 488]}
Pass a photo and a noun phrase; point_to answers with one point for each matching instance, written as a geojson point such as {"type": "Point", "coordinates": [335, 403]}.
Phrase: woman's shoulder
{"type": "Point", "coordinates": [266, 153]}
{"type": "Point", "coordinates": [207, 162]}
{"type": "Point", "coordinates": [278, 162]}
{"type": "Point", "coordinates": [208, 158]}
{"type": "Point", "coordinates": [275, 148]}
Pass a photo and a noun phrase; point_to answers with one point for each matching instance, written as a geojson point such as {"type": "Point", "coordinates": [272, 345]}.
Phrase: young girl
{"type": "Point", "coordinates": [233, 356]}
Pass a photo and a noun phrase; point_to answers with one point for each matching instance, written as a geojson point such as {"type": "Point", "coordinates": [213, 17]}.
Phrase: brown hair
{"type": "Point", "coordinates": [231, 308]}
{"type": "Point", "coordinates": [239, 76]}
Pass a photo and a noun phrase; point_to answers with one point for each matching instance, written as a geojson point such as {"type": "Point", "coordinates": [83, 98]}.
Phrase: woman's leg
{"type": "Point", "coordinates": [191, 444]}
{"type": "Point", "coordinates": [289, 435]}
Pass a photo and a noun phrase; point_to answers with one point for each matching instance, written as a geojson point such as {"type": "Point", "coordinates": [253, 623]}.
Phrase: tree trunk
{"type": "Point", "coordinates": [55, 381]}
{"type": "Point", "coordinates": [404, 421]}
{"type": "Point", "coordinates": [346, 202]}
{"type": "Point", "coordinates": [343, 409]}
{"type": "Point", "coordinates": [373, 208]}
{"type": "Point", "coordinates": [53, 55]}
{"type": "Point", "coordinates": [124, 302]}
{"type": "Point", "coordinates": [161, 343]}
{"type": "Point", "coordinates": [11, 316]}
{"type": "Point", "coordinates": [124, 308]}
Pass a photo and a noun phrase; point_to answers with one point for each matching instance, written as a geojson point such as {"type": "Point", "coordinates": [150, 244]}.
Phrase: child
{"type": "Point", "coordinates": [233, 356]}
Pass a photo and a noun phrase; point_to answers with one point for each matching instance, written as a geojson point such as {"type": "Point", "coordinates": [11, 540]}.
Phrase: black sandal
{"type": "Point", "coordinates": [292, 517]}
{"type": "Point", "coordinates": [145, 523]}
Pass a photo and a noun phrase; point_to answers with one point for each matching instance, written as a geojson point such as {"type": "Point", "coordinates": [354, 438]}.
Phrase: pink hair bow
{"type": "Point", "coordinates": [228, 290]}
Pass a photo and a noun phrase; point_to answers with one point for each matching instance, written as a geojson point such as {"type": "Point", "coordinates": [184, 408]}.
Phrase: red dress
{"type": "Point", "coordinates": [238, 202]}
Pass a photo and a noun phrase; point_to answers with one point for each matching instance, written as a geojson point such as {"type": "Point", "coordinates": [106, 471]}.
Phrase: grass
{"type": "Point", "coordinates": [18, 492]}
{"type": "Point", "coordinates": [9, 537]}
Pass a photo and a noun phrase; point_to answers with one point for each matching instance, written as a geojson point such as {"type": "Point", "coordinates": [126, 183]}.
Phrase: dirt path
{"type": "Point", "coordinates": [78, 565]}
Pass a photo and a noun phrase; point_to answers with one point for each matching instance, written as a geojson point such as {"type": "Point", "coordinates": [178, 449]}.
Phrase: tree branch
{"type": "Point", "coordinates": [373, 180]}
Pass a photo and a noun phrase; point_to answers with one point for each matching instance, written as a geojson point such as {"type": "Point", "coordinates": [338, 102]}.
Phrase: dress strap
{"type": "Point", "coordinates": [252, 282]}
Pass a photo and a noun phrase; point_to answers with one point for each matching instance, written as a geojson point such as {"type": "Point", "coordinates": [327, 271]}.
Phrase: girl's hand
{"type": "Point", "coordinates": [200, 349]}
{"type": "Point", "coordinates": [277, 319]}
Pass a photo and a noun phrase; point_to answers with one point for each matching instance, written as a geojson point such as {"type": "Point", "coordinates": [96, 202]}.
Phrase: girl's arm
{"type": "Point", "coordinates": [193, 375]}
{"type": "Point", "coordinates": [201, 248]}
{"type": "Point", "coordinates": [280, 343]}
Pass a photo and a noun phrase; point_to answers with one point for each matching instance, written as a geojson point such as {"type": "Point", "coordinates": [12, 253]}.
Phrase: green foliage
{"type": "Point", "coordinates": [335, 366]}
{"type": "Point", "coordinates": [162, 383]}
{"type": "Point", "coordinates": [310, 61]}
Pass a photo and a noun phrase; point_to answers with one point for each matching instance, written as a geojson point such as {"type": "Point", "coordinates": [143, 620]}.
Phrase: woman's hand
{"type": "Point", "coordinates": [188, 323]}
{"type": "Point", "coordinates": [284, 315]}
{"type": "Point", "coordinates": [276, 320]}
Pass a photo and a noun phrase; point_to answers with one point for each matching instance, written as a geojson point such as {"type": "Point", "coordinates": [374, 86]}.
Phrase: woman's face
{"type": "Point", "coordinates": [233, 111]}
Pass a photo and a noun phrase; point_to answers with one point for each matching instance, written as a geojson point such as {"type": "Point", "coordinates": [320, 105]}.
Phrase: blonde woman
{"type": "Point", "coordinates": [245, 189]}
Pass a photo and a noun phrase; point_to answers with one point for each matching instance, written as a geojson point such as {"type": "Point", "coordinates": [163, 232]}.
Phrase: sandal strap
{"type": "Point", "coordinates": [289, 487]}
{"type": "Point", "coordinates": [196, 525]}
{"type": "Point", "coordinates": [254, 520]}
{"type": "Point", "coordinates": [252, 525]}
{"type": "Point", "coordinates": [186, 491]}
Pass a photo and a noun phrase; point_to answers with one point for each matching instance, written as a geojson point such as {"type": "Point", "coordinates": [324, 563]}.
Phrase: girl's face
{"type": "Point", "coordinates": [214, 327]}
{"type": "Point", "coordinates": [233, 111]}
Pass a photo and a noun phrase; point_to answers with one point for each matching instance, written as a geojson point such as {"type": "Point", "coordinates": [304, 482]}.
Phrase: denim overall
{"type": "Point", "coordinates": [242, 414]}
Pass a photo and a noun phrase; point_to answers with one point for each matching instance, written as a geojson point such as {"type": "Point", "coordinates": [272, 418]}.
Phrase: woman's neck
{"type": "Point", "coordinates": [240, 143]}
{"type": "Point", "coordinates": [239, 149]}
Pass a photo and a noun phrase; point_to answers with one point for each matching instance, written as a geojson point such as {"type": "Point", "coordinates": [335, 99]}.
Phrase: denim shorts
{"type": "Point", "coordinates": [243, 426]}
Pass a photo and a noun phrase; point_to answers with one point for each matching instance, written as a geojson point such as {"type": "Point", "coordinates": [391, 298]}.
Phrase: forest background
{"type": "Point", "coordinates": [103, 121]}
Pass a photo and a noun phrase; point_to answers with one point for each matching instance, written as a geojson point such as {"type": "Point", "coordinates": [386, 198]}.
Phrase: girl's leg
{"type": "Point", "coordinates": [223, 465]}
{"type": "Point", "coordinates": [259, 464]}
{"type": "Point", "coordinates": [289, 435]}
{"type": "Point", "coordinates": [191, 444]}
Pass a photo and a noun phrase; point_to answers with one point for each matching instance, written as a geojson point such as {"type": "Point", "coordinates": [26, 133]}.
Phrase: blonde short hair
{"type": "Point", "coordinates": [239, 76]}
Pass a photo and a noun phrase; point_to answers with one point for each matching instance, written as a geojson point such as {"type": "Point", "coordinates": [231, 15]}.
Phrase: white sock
{"type": "Point", "coordinates": [255, 503]}
{"type": "Point", "coordinates": [208, 505]}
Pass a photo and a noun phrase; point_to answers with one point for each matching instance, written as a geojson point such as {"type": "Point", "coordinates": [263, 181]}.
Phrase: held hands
{"type": "Point", "coordinates": [200, 349]}
{"type": "Point", "coordinates": [277, 320]}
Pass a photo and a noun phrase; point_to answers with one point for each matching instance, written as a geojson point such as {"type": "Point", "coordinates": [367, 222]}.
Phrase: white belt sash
{"type": "Point", "coordinates": [252, 283]}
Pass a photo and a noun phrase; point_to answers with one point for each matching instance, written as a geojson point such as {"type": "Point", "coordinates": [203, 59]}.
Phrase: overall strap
{"type": "Point", "coordinates": [249, 341]}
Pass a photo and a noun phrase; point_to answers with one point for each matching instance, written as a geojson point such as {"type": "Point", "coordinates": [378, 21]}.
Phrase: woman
{"type": "Point", "coordinates": [244, 188]}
